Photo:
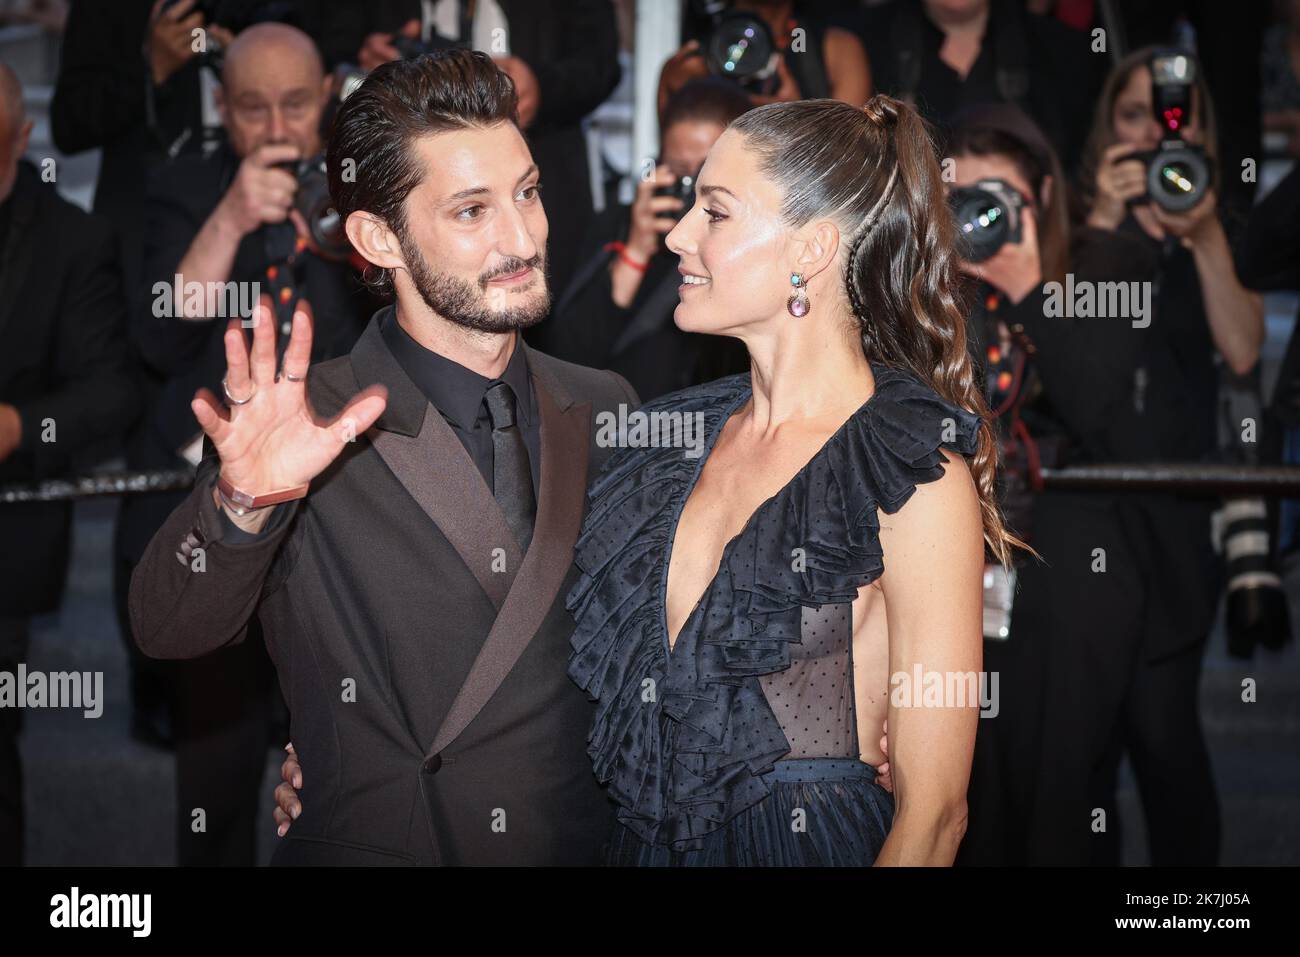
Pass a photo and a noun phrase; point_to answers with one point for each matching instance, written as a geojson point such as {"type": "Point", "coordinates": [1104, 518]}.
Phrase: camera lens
{"type": "Point", "coordinates": [1177, 178]}
{"type": "Point", "coordinates": [740, 46]}
{"type": "Point", "coordinates": [313, 202]}
{"type": "Point", "coordinates": [983, 223]}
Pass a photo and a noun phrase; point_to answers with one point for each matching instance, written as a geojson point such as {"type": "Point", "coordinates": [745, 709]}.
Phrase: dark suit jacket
{"type": "Point", "coordinates": [465, 742]}
{"type": "Point", "coordinates": [64, 359]}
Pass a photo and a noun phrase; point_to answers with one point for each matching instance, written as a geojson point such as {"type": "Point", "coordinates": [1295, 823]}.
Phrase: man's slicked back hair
{"type": "Point", "coordinates": [371, 160]}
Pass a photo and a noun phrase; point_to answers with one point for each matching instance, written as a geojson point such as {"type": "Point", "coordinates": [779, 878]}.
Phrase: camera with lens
{"type": "Point", "coordinates": [1178, 173]}
{"type": "Point", "coordinates": [312, 200]}
{"type": "Point", "coordinates": [683, 187]}
{"type": "Point", "coordinates": [739, 46]}
{"type": "Point", "coordinates": [988, 216]}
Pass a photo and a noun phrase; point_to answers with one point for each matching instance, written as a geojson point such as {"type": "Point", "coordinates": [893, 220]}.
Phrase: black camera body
{"type": "Point", "coordinates": [988, 216]}
{"type": "Point", "coordinates": [312, 200]}
{"type": "Point", "coordinates": [684, 189]}
{"type": "Point", "coordinates": [1178, 172]}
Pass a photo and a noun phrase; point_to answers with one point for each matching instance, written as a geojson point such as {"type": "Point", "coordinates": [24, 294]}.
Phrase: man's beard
{"type": "Point", "coordinates": [463, 302]}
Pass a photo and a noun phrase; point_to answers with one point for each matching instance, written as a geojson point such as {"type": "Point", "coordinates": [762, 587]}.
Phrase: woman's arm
{"type": "Point", "coordinates": [1235, 313]}
{"type": "Point", "coordinates": [933, 589]}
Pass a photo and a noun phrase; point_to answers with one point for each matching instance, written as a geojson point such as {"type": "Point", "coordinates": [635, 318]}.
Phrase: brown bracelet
{"type": "Point", "coordinates": [242, 500]}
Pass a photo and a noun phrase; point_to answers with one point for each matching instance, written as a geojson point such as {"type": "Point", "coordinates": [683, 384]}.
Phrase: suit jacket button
{"type": "Point", "coordinates": [431, 765]}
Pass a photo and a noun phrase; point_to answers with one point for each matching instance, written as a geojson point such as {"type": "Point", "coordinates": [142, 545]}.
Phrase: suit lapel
{"type": "Point", "coordinates": [430, 462]}
{"type": "Point", "coordinates": [422, 451]}
{"type": "Point", "coordinates": [565, 441]}
{"type": "Point", "coordinates": [444, 481]}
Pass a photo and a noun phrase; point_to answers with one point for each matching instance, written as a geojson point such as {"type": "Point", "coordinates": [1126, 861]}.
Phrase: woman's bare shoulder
{"type": "Point", "coordinates": [940, 523]}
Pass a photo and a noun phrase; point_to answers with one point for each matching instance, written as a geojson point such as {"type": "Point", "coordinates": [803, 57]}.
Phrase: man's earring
{"type": "Point", "coordinates": [798, 303]}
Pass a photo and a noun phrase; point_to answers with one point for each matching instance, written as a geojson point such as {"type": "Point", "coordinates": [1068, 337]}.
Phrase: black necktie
{"type": "Point", "coordinates": [512, 475]}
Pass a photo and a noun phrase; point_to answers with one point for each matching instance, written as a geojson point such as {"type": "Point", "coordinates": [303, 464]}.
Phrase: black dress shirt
{"type": "Point", "coordinates": [458, 394]}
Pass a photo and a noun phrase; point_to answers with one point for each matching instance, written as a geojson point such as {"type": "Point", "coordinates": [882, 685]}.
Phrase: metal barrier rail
{"type": "Point", "coordinates": [93, 486]}
{"type": "Point", "coordinates": [1199, 478]}
{"type": "Point", "coordinates": [1194, 478]}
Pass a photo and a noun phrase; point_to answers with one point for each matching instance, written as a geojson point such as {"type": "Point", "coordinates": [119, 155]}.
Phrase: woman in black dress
{"type": "Point", "coordinates": [796, 555]}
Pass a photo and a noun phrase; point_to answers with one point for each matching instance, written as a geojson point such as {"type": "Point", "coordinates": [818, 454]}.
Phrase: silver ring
{"type": "Point", "coordinates": [225, 387]}
{"type": "Point", "coordinates": [295, 378]}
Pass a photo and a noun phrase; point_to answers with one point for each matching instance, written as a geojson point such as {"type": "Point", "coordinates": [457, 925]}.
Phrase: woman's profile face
{"type": "Point", "coordinates": [1133, 120]}
{"type": "Point", "coordinates": [734, 246]}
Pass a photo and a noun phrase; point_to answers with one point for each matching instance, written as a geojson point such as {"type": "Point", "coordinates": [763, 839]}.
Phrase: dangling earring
{"type": "Point", "coordinates": [798, 304]}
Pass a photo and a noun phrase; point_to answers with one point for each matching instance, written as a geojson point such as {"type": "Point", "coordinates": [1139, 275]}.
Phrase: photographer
{"type": "Point", "coordinates": [618, 311]}
{"type": "Point", "coordinates": [1107, 634]}
{"type": "Point", "coordinates": [1056, 385]}
{"type": "Point", "coordinates": [1197, 263]}
{"type": "Point", "coordinates": [829, 62]}
{"type": "Point", "coordinates": [230, 222]}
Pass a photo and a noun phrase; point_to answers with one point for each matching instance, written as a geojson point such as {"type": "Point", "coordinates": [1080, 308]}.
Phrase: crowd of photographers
{"type": "Point", "coordinates": [1087, 147]}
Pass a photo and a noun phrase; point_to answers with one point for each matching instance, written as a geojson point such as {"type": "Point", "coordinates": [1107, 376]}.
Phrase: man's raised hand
{"type": "Point", "coordinates": [274, 440]}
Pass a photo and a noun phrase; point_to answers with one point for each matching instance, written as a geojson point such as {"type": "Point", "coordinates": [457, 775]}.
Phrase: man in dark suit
{"type": "Point", "coordinates": [64, 389]}
{"type": "Point", "coordinates": [408, 547]}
